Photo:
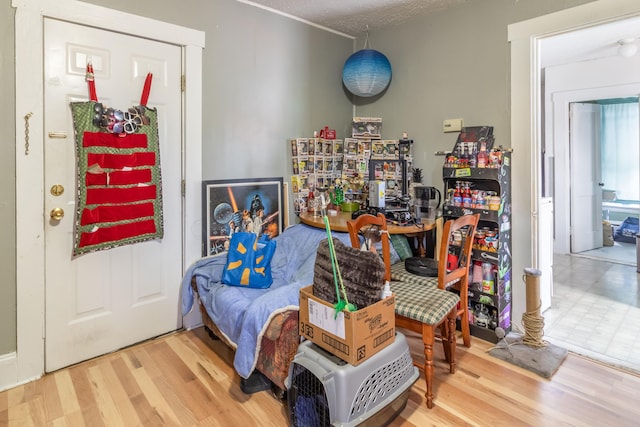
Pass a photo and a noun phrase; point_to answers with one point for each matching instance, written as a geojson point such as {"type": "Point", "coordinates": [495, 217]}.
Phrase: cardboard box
{"type": "Point", "coordinates": [352, 336]}
{"type": "Point", "coordinates": [607, 233]}
{"type": "Point", "coordinates": [366, 127]}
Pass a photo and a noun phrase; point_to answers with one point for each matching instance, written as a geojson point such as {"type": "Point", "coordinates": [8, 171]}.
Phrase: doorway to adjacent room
{"type": "Point", "coordinates": [595, 301]}
{"type": "Point", "coordinates": [608, 129]}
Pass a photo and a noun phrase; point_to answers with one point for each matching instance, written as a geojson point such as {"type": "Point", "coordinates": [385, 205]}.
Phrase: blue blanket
{"type": "Point", "coordinates": [242, 314]}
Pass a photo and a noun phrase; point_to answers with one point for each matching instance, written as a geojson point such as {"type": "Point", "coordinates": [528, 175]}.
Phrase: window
{"type": "Point", "coordinates": [620, 149]}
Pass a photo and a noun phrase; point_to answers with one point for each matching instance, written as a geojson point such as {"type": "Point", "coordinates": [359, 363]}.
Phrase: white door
{"type": "Point", "coordinates": [586, 190]}
{"type": "Point", "coordinates": [105, 300]}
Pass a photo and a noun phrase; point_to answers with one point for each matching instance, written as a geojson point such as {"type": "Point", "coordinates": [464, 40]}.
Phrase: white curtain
{"type": "Point", "coordinates": [621, 150]}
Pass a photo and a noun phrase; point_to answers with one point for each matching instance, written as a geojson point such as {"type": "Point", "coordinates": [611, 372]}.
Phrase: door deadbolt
{"type": "Point", "coordinates": [56, 214]}
{"type": "Point", "coordinates": [57, 190]}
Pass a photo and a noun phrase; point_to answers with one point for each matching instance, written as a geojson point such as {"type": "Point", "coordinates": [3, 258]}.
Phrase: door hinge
{"type": "Point", "coordinates": [183, 83]}
{"type": "Point", "coordinates": [183, 187]}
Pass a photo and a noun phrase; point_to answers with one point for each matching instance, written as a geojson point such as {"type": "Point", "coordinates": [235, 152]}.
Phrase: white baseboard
{"type": "Point", "coordinates": [8, 370]}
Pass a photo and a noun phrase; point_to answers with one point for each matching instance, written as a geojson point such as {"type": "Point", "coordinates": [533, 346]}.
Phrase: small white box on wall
{"type": "Point", "coordinates": [452, 125]}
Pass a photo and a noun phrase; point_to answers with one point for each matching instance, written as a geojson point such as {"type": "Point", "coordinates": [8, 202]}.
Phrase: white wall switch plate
{"type": "Point", "coordinates": [452, 125]}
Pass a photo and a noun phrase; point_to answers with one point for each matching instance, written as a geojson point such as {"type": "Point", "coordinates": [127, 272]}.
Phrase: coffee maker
{"type": "Point", "coordinates": [426, 201]}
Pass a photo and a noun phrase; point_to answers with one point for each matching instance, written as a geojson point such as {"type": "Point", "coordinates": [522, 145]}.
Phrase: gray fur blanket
{"type": "Point", "coordinates": [362, 274]}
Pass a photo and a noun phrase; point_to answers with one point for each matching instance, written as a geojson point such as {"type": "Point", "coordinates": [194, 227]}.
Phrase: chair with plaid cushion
{"type": "Point", "coordinates": [456, 254]}
{"type": "Point", "coordinates": [422, 304]}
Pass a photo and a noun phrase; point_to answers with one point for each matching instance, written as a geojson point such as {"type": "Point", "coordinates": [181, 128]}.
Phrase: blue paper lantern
{"type": "Point", "coordinates": [366, 73]}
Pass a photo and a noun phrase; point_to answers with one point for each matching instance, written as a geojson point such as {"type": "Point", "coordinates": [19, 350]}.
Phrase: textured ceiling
{"type": "Point", "coordinates": [353, 17]}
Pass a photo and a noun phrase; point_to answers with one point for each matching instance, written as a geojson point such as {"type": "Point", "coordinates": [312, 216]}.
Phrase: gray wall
{"type": "Point", "coordinates": [8, 179]}
{"type": "Point", "coordinates": [452, 64]}
{"type": "Point", "coordinates": [267, 79]}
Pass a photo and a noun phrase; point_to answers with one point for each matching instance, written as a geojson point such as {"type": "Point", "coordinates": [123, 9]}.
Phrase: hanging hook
{"type": "Point", "coordinates": [366, 40]}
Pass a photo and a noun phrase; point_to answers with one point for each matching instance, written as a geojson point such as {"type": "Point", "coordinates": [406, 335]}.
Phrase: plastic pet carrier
{"type": "Point", "coordinates": [323, 390]}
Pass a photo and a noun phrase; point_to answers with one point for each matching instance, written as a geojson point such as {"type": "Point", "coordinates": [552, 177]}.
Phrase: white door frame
{"type": "Point", "coordinates": [30, 274]}
{"type": "Point", "coordinates": [526, 122]}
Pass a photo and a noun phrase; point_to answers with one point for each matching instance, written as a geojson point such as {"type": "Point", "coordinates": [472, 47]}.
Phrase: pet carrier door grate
{"type": "Point", "coordinates": [324, 390]}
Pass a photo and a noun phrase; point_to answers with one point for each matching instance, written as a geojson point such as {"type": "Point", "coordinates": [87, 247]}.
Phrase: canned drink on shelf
{"type": "Point", "coordinates": [491, 240]}
{"type": "Point", "coordinates": [479, 202]}
{"type": "Point", "coordinates": [487, 278]}
{"type": "Point", "coordinates": [476, 272]}
{"type": "Point", "coordinates": [456, 238]}
{"type": "Point", "coordinates": [452, 262]}
{"type": "Point", "coordinates": [494, 203]}
{"type": "Point", "coordinates": [495, 159]}
{"type": "Point", "coordinates": [478, 239]}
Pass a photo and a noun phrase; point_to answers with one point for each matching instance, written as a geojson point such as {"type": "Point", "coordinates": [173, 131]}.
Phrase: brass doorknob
{"type": "Point", "coordinates": [56, 214]}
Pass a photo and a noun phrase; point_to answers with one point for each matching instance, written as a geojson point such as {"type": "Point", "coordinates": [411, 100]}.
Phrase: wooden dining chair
{"type": "Point", "coordinates": [423, 307]}
{"type": "Point", "coordinates": [458, 278]}
{"type": "Point", "coordinates": [372, 228]}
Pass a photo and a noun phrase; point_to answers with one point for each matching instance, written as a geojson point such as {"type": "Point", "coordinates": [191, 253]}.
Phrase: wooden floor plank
{"type": "Point", "coordinates": [66, 392]}
{"type": "Point", "coordinates": [58, 422]}
{"type": "Point", "coordinates": [157, 398]}
{"type": "Point", "coordinates": [208, 372]}
{"type": "Point", "coordinates": [145, 412]}
{"type": "Point", "coordinates": [15, 396]}
{"type": "Point", "coordinates": [85, 394]}
{"type": "Point", "coordinates": [186, 379]}
{"type": "Point", "coordinates": [37, 411]}
{"type": "Point", "coordinates": [125, 376]}
{"type": "Point", "coordinates": [19, 414]}
{"type": "Point", "coordinates": [105, 400]}
{"type": "Point", "coordinates": [119, 396]}
{"type": "Point", "coordinates": [4, 408]}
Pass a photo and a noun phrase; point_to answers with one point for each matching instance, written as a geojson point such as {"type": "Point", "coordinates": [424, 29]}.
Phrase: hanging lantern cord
{"type": "Point", "coordinates": [366, 40]}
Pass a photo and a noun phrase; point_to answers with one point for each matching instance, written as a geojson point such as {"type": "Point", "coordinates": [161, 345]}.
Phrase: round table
{"type": "Point", "coordinates": [338, 222]}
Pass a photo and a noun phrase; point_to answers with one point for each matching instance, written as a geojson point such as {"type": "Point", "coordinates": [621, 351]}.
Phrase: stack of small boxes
{"type": "Point", "coordinates": [317, 162]}
{"type": "Point", "coordinates": [323, 163]}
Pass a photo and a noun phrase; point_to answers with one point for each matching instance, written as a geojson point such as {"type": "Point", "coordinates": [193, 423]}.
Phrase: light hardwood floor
{"type": "Point", "coordinates": [186, 379]}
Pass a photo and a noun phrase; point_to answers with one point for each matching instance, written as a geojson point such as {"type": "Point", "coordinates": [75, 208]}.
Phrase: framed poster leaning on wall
{"type": "Point", "coordinates": [230, 206]}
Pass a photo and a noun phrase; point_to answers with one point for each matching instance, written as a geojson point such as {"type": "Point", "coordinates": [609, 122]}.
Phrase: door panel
{"type": "Point", "coordinates": [103, 301]}
{"type": "Point", "coordinates": [586, 193]}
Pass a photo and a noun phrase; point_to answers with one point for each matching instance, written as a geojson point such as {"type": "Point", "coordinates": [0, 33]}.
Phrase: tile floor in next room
{"type": "Point", "coordinates": [595, 310]}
